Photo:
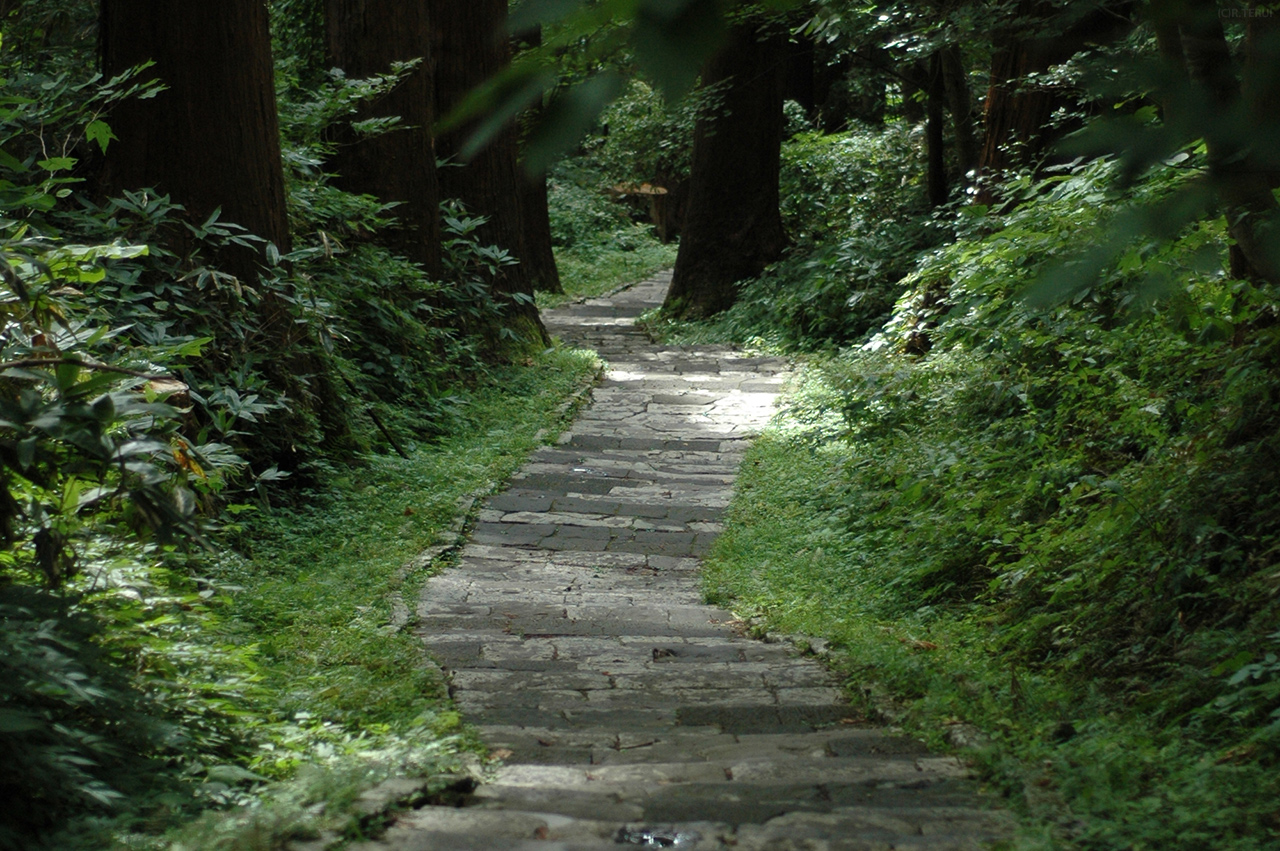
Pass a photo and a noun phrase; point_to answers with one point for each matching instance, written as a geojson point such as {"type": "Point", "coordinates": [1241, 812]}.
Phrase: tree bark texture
{"type": "Point", "coordinates": [732, 227]}
{"type": "Point", "coordinates": [955, 83]}
{"type": "Point", "coordinates": [535, 219]}
{"type": "Point", "coordinates": [211, 139]}
{"type": "Point", "coordinates": [1016, 114]}
{"type": "Point", "coordinates": [1261, 84]}
{"type": "Point", "coordinates": [1013, 116]}
{"type": "Point", "coordinates": [364, 37]}
{"type": "Point", "coordinates": [535, 214]}
{"type": "Point", "coordinates": [1242, 185]}
{"type": "Point", "coordinates": [473, 46]}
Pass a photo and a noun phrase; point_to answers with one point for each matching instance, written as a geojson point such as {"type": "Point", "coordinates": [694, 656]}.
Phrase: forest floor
{"type": "Point", "coordinates": [620, 707]}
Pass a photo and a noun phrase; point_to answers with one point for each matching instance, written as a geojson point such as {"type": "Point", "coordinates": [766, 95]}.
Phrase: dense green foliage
{"type": "Point", "coordinates": [165, 625]}
{"type": "Point", "coordinates": [598, 243]}
{"type": "Point", "coordinates": [1027, 481]}
{"type": "Point", "coordinates": [1058, 524]}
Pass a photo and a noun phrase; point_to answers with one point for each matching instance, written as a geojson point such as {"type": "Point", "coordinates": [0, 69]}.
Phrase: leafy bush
{"type": "Point", "coordinates": [582, 213]}
{"type": "Point", "coordinates": [642, 139]}
{"type": "Point", "coordinates": [853, 206]}
{"type": "Point", "coordinates": [598, 245]}
{"type": "Point", "coordinates": [146, 398]}
{"type": "Point", "coordinates": [838, 185]}
{"type": "Point", "coordinates": [1059, 523]}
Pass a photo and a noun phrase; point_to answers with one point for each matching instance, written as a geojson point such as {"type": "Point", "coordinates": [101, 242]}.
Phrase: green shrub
{"type": "Point", "coordinates": [852, 205]}
{"type": "Point", "coordinates": [1058, 523]}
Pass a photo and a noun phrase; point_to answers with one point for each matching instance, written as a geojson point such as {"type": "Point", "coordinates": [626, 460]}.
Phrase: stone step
{"type": "Point", "coordinates": [936, 828]}
{"type": "Point", "coordinates": [740, 804]}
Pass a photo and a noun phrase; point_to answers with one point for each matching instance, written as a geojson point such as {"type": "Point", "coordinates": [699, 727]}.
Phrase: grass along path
{"type": "Point", "coordinates": [821, 539]}
{"type": "Point", "coordinates": [339, 698]}
{"type": "Point", "coordinates": [592, 271]}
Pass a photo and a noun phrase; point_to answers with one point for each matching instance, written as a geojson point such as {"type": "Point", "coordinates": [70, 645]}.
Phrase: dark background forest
{"type": "Point", "coordinates": [271, 285]}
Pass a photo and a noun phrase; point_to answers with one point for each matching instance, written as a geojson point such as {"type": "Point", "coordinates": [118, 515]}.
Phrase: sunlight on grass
{"type": "Point", "coordinates": [589, 271]}
{"type": "Point", "coordinates": [318, 579]}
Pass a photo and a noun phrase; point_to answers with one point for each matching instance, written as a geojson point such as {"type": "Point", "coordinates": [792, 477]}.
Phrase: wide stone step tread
{"type": "Point", "coordinates": [601, 747]}
{"type": "Point", "coordinates": [740, 804]}
{"type": "Point", "coordinates": [839, 829]}
{"type": "Point", "coordinates": [639, 778]}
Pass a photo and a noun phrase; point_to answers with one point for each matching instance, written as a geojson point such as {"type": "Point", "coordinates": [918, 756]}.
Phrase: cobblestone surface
{"type": "Point", "coordinates": [627, 711]}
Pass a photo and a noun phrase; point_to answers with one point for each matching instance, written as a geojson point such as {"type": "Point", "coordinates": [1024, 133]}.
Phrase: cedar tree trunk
{"type": "Point", "coordinates": [535, 217]}
{"type": "Point", "coordinates": [1017, 114]}
{"type": "Point", "coordinates": [364, 37]}
{"type": "Point", "coordinates": [473, 46]}
{"type": "Point", "coordinates": [1261, 86]}
{"type": "Point", "coordinates": [732, 226]}
{"type": "Point", "coordinates": [211, 139]}
{"type": "Point", "coordinates": [1241, 183]}
{"type": "Point", "coordinates": [955, 83]}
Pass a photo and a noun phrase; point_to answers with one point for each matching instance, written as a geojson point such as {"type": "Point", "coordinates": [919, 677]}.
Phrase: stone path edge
{"type": "Point", "coordinates": [435, 557]}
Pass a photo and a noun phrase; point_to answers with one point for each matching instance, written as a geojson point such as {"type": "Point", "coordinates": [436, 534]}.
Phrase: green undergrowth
{"type": "Point", "coordinates": [305, 688]}
{"type": "Point", "coordinates": [598, 243]}
{"type": "Point", "coordinates": [317, 576]}
{"type": "Point", "coordinates": [1057, 524]}
{"type": "Point", "coordinates": [852, 204]}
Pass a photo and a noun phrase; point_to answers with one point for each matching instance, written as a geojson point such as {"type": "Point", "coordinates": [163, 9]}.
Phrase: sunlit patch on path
{"type": "Point", "coordinates": [630, 713]}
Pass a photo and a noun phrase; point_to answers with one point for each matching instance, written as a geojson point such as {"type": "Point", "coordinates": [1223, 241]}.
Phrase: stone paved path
{"type": "Point", "coordinates": [575, 636]}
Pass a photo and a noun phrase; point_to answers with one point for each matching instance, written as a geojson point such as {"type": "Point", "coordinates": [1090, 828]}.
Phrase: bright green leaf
{"type": "Point", "coordinates": [99, 131]}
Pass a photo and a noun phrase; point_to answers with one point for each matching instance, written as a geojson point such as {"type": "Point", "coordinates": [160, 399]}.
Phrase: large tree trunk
{"type": "Point", "coordinates": [364, 38]}
{"type": "Point", "coordinates": [1242, 184]}
{"type": "Point", "coordinates": [1261, 85]}
{"type": "Point", "coordinates": [535, 218]}
{"type": "Point", "coordinates": [1014, 115]}
{"type": "Point", "coordinates": [1017, 113]}
{"type": "Point", "coordinates": [211, 139]}
{"type": "Point", "coordinates": [473, 47]}
{"type": "Point", "coordinates": [535, 215]}
{"type": "Point", "coordinates": [732, 227]}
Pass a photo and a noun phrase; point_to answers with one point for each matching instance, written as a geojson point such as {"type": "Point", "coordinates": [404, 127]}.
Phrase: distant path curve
{"type": "Point", "coordinates": [575, 637]}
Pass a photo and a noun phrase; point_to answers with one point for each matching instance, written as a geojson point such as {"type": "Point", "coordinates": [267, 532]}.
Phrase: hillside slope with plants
{"type": "Point", "coordinates": [1025, 488]}
{"type": "Point", "coordinates": [205, 524]}
{"type": "Point", "coordinates": [1059, 526]}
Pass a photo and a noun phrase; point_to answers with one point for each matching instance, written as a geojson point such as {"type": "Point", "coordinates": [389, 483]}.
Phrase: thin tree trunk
{"type": "Point", "coordinates": [473, 47]}
{"type": "Point", "coordinates": [955, 82]}
{"type": "Point", "coordinates": [364, 37]}
{"type": "Point", "coordinates": [801, 82]}
{"type": "Point", "coordinates": [1169, 44]}
{"type": "Point", "coordinates": [733, 228]}
{"type": "Point", "coordinates": [936, 177]}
